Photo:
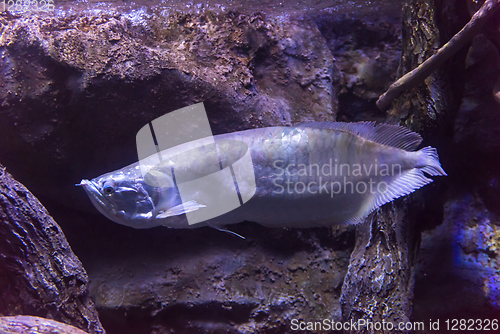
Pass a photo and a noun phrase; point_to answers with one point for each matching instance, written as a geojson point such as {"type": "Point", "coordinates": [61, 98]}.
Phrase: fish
{"type": "Point", "coordinates": [308, 175]}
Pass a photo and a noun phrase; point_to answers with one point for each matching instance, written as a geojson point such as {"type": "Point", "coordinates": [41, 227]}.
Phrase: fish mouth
{"type": "Point", "coordinates": [92, 190]}
{"type": "Point", "coordinates": [97, 198]}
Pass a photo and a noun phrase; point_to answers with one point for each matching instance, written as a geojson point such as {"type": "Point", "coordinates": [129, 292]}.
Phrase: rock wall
{"type": "Point", "coordinates": [40, 275]}
{"type": "Point", "coordinates": [77, 87]}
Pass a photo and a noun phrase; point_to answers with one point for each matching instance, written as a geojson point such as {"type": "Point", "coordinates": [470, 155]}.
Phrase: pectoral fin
{"type": "Point", "coordinates": [181, 209]}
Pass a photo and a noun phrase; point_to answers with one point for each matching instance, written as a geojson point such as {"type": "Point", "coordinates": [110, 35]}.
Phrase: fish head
{"type": "Point", "coordinates": [124, 197]}
{"type": "Point", "coordinates": [127, 198]}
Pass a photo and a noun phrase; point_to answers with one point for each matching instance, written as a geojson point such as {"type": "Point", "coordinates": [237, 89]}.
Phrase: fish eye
{"type": "Point", "coordinates": [108, 188]}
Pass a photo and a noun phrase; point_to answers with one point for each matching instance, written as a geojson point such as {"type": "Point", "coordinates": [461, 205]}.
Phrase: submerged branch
{"type": "Point", "coordinates": [417, 75]}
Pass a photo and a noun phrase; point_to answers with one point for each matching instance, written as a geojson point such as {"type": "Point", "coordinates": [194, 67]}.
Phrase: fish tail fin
{"type": "Point", "coordinates": [429, 160]}
{"type": "Point", "coordinates": [406, 182]}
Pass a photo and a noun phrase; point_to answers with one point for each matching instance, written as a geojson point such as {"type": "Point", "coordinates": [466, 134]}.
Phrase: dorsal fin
{"type": "Point", "coordinates": [386, 134]}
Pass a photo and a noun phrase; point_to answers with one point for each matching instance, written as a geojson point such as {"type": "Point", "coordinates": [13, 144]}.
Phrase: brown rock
{"type": "Point", "coordinates": [40, 274]}
{"type": "Point", "coordinates": [23, 324]}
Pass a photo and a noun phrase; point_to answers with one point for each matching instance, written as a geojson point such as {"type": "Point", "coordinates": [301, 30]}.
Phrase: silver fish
{"type": "Point", "coordinates": [313, 174]}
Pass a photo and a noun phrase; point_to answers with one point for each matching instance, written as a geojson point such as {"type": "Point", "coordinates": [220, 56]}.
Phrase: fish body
{"type": "Point", "coordinates": [315, 174]}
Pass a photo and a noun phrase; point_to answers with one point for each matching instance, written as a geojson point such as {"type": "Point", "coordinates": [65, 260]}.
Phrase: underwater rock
{"type": "Point", "coordinates": [212, 282]}
{"type": "Point", "coordinates": [458, 268]}
{"type": "Point", "coordinates": [367, 53]}
{"type": "Point", "coordinates": [40, 274]}
{"type": "Point", "coordinates": [379, 270]}
{"type": "Point", "coordinates": [430, 107]}
{"type": "Point", "coordinates": [477, 125]}
{"type": "Point", "coordinates": [35, 325]}
{"type": "Point", "coordinates": [478, 121]}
